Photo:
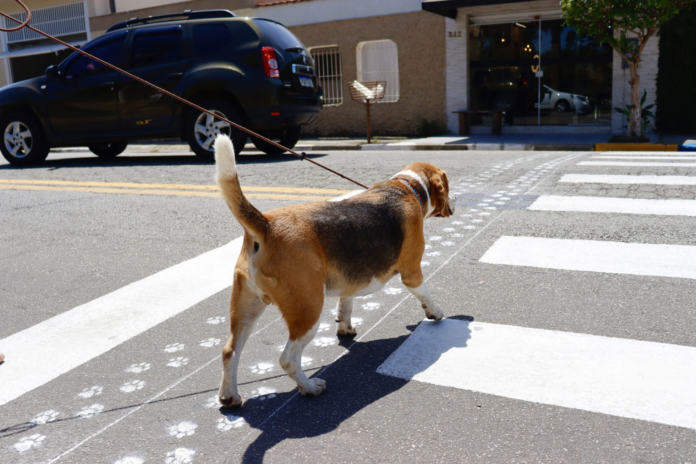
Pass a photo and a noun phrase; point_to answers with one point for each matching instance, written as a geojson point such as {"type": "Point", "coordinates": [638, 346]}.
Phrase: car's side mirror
{"type": "Point", "coordinates": [53, 71]}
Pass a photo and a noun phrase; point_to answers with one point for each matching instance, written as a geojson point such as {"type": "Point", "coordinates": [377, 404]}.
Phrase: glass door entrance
{"type": "Point", "coordinates": [540, 73]}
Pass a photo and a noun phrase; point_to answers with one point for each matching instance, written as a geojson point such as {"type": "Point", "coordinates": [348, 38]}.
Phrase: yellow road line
{"type": "Point", "coordinates": [262, 196]}
{"type": "Point", "coordinates": [174, 186]}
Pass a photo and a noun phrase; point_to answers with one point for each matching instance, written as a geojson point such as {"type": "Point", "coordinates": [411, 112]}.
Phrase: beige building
{"type": "Point", "coordinates": [437, 57]}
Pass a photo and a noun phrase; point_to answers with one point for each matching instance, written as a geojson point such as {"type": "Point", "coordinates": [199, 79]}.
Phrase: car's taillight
{"type": "Point", "coordinates": [270, 63]}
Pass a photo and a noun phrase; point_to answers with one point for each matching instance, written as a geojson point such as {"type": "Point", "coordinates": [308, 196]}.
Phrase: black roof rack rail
{"type": "Point", "coordinates": [188, 14]}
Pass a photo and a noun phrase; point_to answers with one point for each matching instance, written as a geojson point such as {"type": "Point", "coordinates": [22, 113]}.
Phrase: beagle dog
{"type": "Point", "coordinates": [295, 256]}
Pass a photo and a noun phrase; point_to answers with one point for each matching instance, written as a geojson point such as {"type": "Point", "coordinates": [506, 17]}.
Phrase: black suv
{"type": "Point", "coordinates": [253, 71]}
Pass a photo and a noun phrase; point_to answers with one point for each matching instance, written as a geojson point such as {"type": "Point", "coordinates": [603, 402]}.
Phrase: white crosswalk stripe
{"type": "Point", "coordinates": [614, 205]}
{"type": "Point", "coordinates": [646, 164]}
{"type": "Point", "coordinates": [628, 180]}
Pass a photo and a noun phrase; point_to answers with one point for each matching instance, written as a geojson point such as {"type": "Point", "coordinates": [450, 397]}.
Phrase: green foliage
{"type": "Point", "coordinates": [676, 78]}
{"type": "Point", "coordinates": [645, 114]}
{"type": "Point", "coordinates": [427, 128]}
{"type": "Point", "coordinates": [601, 18]}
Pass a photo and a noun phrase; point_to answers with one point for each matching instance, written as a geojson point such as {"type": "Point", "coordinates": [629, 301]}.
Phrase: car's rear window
{"type": "Point", "coordinates": [209, 39]}
{"type": "Point", "coordinates": [279, 35]}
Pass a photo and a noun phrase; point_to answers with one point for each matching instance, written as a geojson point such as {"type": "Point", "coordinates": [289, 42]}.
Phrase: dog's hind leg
{"type": "Point", "coordinates": [245, 309]}
{"type": "Point", "coordinates": [343, 311]}
{"type": "Point", "coordinates": [302, 317]}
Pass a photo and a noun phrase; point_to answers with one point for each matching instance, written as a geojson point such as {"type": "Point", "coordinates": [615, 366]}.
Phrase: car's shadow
{"type": "Point", "coordinates": [161, 159]}
{"type": "Point", "coordinates": [352, 384]}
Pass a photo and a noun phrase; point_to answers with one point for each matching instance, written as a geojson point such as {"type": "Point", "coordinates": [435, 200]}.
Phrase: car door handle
{"type": "Point", "coordinates": [108, 85]}
{"type": "Point", "coordinates": [175, 76]}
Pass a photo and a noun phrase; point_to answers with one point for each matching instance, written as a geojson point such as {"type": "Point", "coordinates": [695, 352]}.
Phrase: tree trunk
{"type": "Point", "coordinates": [635, 121]}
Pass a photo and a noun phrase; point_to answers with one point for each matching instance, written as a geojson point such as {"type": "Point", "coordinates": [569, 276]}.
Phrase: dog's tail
{"type": "Point", "coordinates": [226, 172]}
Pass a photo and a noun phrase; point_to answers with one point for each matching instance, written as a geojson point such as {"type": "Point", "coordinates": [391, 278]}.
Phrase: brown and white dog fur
{"type": "Point", "coordinates": [294, 256]}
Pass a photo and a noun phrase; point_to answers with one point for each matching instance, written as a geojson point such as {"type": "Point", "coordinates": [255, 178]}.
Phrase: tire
{"type": "Point", "coordinates": [562, 106]}
{"type": "Point", "coordinates": [288, 138]}
{"type": "Point", "coordinates": [108, 150]}
{"type": "Point", "coordinates": [24, 142]}
{"type": "Point", "coordinates": [201, 129]}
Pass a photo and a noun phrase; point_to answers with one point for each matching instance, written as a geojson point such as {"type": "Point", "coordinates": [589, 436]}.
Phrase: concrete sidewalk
{"type": "Point", "coordinates": [555, 142]}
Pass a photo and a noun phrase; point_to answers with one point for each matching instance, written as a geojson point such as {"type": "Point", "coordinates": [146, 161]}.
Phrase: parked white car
{"type": "Point", "coordinates": [563, 101]}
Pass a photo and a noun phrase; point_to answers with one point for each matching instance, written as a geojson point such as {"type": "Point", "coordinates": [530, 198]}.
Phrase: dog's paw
{"type": "Point", "coordinates": [434, 314]}
{"type": "Point", "coordinates": [232, 400]}
{"type": "Point", "coordinates": [314, 387]}
{"type": "Point", "coordinates": [346, 330]}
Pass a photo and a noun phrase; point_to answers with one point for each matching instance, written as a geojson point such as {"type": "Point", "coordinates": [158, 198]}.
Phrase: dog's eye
{"type": "Point", "coordinates": [256, 247]}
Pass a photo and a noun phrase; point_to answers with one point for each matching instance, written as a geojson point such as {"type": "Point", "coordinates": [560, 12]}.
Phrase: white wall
{"type": "Point", "coordinates": [457, 69]}
{"type": "Point", "coordinates": [320, 11]}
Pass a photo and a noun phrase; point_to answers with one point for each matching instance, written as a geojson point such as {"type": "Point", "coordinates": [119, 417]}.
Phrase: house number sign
{"type": "Point", "coordinates": [454, 34]}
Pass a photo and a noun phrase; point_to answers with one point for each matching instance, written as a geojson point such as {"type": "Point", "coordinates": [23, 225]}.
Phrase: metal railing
{"type": "Point", "coordinates": [327, 65]}
{"type": "Point", "coordinates": [56, 20]}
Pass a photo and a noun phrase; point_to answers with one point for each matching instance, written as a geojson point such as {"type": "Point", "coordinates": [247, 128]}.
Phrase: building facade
{"type": "Point", "coordinates": [437, 57]}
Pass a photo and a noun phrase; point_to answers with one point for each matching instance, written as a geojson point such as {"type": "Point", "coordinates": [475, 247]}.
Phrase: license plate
{"type": "Point", "coordinates": [306, 81]}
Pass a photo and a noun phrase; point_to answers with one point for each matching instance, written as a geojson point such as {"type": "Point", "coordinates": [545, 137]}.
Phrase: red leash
{"type": "Point", "coordinates": [302, 156]}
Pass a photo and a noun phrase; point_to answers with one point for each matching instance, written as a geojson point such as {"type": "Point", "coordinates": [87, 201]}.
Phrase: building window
{"type": "Point", "coordinates": [378, 60]}
{"type": "Point", "coordinates": [327, 65]}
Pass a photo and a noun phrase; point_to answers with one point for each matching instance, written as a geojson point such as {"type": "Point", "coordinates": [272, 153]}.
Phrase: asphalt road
{"type": "Point", "coordinates": [77, 230]}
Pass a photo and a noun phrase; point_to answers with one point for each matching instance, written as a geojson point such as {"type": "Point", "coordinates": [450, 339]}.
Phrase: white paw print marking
{"type": "Point", "coordinates": [499, 203]}
{"type": "Point", "coordinates": [130, 460]}
{"type": "Point", "coordinates": [448, 229]}
{"type": "Point", "coordinates": [457, 235]}
{"type": "Point", "coordinates": [484, 214]}
{"type": "Point", "coordinates": [371, 305]}
{"type": "Point", "coordinates": [323, 327]}
{"type": "Point", "coordinates": [209, 343]}
{"type": "Point", "coordinates": [448, 243]}
{"type": "Point", "coordinates": [477, 220]}
{"type": "Point", "coordinates": [262, 368]}
{"type": "Point", "coordinates": [491, 207]}
{"type": "Point", "coordinates": [306, 361]}
{"type": "Point", "coordinates": [211, 402]}
{"type": "Point", "coordinates": [91, 391]}
{"type": "Point", "coordinates": [435, 238]}
{"type": "Point", "coordinates": [355, 321]}
{"type": "Point", "coordinates": [459, 223]}
{"type": "Point", "coordinates": [264, 393]}
{"type": "Point", "coordinates": [426, 263]}
{"type": "Point", "coordinates": [45, 417]}
{"type": "Point", "coordinates": [323, 342]}
{"type": "Point", "coordinates": [177, 362]}
{"type": "Point", "coordinates": [90, 411]}
{"type": "Point", "coordinates": [174, 347]}
{"type": "Point", "coordinates": [395, 290]}
{"type": "Point", "coordinates": [27, 443]}
{"type": "Point", "coordinates": [179, 456]}
{"type": "Point", "coordinates": [505, 198]}
{"type": "Point", "coordinates": [463, 215]}
{"type": "Point", "coordinates": [133, 385]}
{"type": "Point", "coordinates": [469, 227]}
{"type": "Point", "coordinates": [138, 368]}
{"type": "Point", "coordinates": [473, 210]}
{"type": "Point", "coordinates": [496, 195]}
{"type": "Point", "coordinates": [427, 247]}
{"type": "Point", "coordinates": [215, 320]}
{"type": "Point", "coordinates": [433, 253]}
{"type": "Point", "coordinates": [183, 429]}
{"type": "Point", "coordinates": [225, 424]}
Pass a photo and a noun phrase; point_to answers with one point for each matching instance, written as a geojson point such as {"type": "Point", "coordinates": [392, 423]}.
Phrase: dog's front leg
{"type": "Point", "coordinates": [423, 294]}
{"type": "Point", "coordinates": [291, 362]}
{"type": "Point", "coordinates": [344, 310]}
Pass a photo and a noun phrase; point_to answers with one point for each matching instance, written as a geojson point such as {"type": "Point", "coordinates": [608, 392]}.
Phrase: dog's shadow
{"type": "Point", "coordinates": [352, 384]}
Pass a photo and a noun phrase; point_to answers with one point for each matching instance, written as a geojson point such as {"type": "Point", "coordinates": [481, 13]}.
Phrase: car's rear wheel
{"type": "Point", "coordinates": [24, 142]}
{"type": "Point", "coordinates": [287, 137]}
{"type": "Point", "coordinates": [202, 128]}
{"type": "Point", "coordinates": [108, 150]}
{"type": "Point", "coordinates": [562, 106]}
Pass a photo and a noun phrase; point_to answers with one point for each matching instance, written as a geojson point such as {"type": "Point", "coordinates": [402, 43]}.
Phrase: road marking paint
{"type": "Point", "coordinates": [94, 328]}
{"type": "Point", "coordinates": [261, 196]}
{"type": "Point", "coordinates": [619, 179]}
{"type": "Point", "coordinates": [664, 157]}
{"type": "Point", "coordinates": [626, 378]}
{"type": "Point", "coordinates": [614, 205]}
{"type": "Point", "coordinates": [594, 256]}
{"type": "Point", "coordinates": [635, 164]}
{"type": "Point", "coordinates": [172, 186]}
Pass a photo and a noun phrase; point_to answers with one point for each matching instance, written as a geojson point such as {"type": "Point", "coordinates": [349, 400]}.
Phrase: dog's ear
{"type": "Point", "coordinates": [439, 193]}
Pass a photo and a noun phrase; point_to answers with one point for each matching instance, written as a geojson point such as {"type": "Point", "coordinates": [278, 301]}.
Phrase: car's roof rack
{"type": "Point", "coordinates": [187, 14]}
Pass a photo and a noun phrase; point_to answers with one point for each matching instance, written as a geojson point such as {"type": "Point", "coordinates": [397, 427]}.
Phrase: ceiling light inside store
{"type": "Point", "coordinates": [521, 25]}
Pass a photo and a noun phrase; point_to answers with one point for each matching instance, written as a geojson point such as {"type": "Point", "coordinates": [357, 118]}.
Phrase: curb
{"type": "Point", "coordinates": [635, 147]}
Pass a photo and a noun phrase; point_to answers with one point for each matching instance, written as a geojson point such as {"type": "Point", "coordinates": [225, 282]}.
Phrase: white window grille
{"type": "Point", "coordinates": [56, 20]}
{"type": "Point", "coordinates": [327, 65]}
{"type": "Point", "coordinates": [378, 60]}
